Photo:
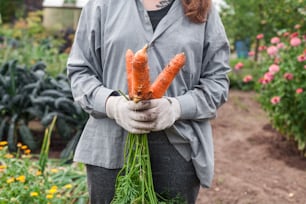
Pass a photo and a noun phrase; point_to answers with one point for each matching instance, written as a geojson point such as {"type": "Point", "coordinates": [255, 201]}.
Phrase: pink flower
{"type": "Point", "coordinates": [274, 68]}
{"type": "Point", "coordinates": [295, 41]}
{"type": "Point", "coordinates": [247, 78]}
{"type": "Point", "coordinates": [288, 76]}
{"type": "Point", "coordinates": [297, 26]}
{"type": "Point", "coordinates": [301, 58]}
{"type": "Point", "coordinates": [299, 90]}
{"type": "Point", "coordinates": [267, 78]}
{"type": "Point", "coordinates": [275, 40]}
{"type": "Point", "coordinates": [251, 53]}
{"type": "Point", "coordinates": [304, 66]}
{"type": "Point", "coordinates": [286, 34]}
{"type": "Point", "coordinates": [272, 50]}
{"type": "Point", "coordinates": [262, 48]}
{"type": "Point", "coordinates": [239, 66]}
{"type": "Point", "coordinates": [277, 60]}
{"type": "Point", "coordinates": [275, 100]}
{"type": "Point", "coordinates": [260, 36]}
{"type": "Point", "coordinates": [280, 45]}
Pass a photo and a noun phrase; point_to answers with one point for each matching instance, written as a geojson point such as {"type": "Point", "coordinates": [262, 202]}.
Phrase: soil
{"type": "Point", "coordinates": [253, 163]}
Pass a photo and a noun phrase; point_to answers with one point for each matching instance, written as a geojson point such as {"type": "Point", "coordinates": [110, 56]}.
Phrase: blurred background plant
{"type": "Point", "coordinates": [243, 20]}
{"type": "Point", "coordinates": [27, 41]}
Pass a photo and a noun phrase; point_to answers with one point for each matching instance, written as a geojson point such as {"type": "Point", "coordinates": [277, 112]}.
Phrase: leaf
{"type": "Point", "coordinates": [12, 137]}
{"type": "Point", "coordinates": [43, 157]}
{"type": "Point", "coordinates": [27, 136]}
{"type": "Point", "coordinates": [63, 128]}
{"type": "Point", "coordinates": [12, 68]}
{"type": "Point", "coordinates": [2, 128]}
{"type": "Point", "coordinates": [68, 152]}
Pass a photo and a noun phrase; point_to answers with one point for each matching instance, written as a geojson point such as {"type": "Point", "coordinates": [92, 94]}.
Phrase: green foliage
{"type": "Point", "coordinates": [44, 152]}
{"type": "Point", "coordinates": [30, 93]}
{"type": "Point", "coordinates": [245, 19]}
{"type": "Point", "coordinates": [10, 9]}
{"type": "Point", "coordinates": [282, 85]}
{"type": "Point", "coordinates": [14, 104]}
{"type": "Point", "coordinates": [244, 74]}
{"type": "Point", "coordinates": [21, 179]}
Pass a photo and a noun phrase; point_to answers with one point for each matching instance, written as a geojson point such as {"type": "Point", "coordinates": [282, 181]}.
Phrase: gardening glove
{"type": "Point", "coordinates": [131, 116]}
{"type": "Point", "coordinates": [167, 111]}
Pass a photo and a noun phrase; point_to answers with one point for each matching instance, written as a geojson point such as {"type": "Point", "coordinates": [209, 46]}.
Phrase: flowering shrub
{"type": "Point", "coordinates": [22, 181]}
{"type": "Point", "coordinates": [244, 74]}
{"type": "Point", "coordinates": [282, 86]}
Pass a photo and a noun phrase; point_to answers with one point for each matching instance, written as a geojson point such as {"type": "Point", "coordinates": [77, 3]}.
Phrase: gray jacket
{"type": "Point", "coordinates": [96, 67]}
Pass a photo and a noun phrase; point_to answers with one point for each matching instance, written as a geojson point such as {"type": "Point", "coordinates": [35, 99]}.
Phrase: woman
{"type": "Point", "coordinates": [180, 137]}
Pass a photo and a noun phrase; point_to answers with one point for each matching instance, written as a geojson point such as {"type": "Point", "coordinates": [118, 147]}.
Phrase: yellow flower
{"type": "Point", "coordinates": [21, 178]}
{"type": "Point", "coordinates": [3, 143]}
{"type": "Point", "coordinates": [23, 147]}
{"type": "Point", "coordinates": [54, 170]}
{"type": "Point", "coordinates": [33, 194]}
{"type": "Point", "coordinates": [38, 173]}
{"type": "Point", "coordinates": [27, 151]}
{"type": "Point", "coordinates": [19, 144]}
{"type": "Point", "coordinates": [2, 167]}
{"type": "Point", "coordinates": [52, 190]}
{"type": "Point", "coordinates": [68, 186]}
{"type": "Point", "coordinates": [9, 156]}
{"type": "Point", "coordinates": [10, 180]}
{"type": "Point", "coordinates": [49, 196]}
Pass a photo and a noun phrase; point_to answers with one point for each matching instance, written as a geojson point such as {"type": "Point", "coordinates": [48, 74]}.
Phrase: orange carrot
{"type": "Point", "coordinates": [164, 79]}
{"type": "Point", "coordinates": [141, 76]}
{"type": "Point", "coordinates": [129, 56]}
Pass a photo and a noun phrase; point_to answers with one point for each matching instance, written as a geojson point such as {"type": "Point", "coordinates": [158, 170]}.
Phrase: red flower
{"type": "Point", "coordinates": [239, 66]}
{"type": "Point", "coordinates": [299, 90]}
{"type": "Point", "coordinates": [251, 53]}
{"type": "Point", "coordinates": [275, 100]}
{"type": "Point", "coordinates": [260, 36]}
{"type": "Point", "coordinates": [247, 78]}
{"type": "Point", "coordinates": [262, 48]}
{"type": "Point", "coordinates": [288, 76]}
{"type": "Point", "coordinates": [301, 58]}
{"type": "Point", "coordinates": [293, 35]}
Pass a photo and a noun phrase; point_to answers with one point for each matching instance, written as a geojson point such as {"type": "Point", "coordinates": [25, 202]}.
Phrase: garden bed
{"type": "Point", "coordinates": [253, 163]}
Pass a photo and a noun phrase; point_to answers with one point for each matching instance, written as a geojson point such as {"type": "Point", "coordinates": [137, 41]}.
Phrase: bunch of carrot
{"type": "Point", "coordinates": [134, 182]}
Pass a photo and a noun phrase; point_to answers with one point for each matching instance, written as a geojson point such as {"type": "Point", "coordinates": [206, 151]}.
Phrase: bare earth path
{"type": "Point", "coordinates": [253, 164]}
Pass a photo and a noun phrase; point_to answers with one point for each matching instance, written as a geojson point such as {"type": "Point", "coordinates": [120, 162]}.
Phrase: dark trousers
{"type": "Point", "coordinates": [172, 174]}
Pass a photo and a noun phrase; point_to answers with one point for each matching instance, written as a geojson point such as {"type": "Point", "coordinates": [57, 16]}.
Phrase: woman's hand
{"type": "Point", "coordinates": [134, 117]}
{"type": "Point", "coordinates": [165, 111]}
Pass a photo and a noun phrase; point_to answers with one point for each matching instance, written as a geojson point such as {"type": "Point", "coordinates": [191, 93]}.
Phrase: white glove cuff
{"type": "Point", "coordinates": [110, 106]}
{"type": "Point", "coordinates": [176, 107]}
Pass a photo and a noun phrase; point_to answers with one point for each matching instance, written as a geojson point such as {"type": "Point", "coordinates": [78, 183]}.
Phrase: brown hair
{"type": "Point", "coordinates": [196, 10]}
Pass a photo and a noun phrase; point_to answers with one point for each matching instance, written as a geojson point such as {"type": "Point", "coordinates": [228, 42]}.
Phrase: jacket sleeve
{"type": "Point", "coordinates": [211, 91]}
{"type": "Point", "coordinates": [84, 66]}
